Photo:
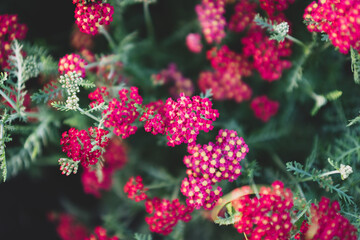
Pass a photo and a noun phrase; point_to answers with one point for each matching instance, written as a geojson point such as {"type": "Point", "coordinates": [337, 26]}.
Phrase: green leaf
{"type": "Point", "coordinates": [355, 65]}
{"type": "Point", "coordinates": [141, 236]}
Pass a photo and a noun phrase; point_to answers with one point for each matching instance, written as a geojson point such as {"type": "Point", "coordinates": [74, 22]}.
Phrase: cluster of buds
{"type": "Point", "coordinates": [267, 217]}
{"type": "Point", "coordinates": [72, 63]}
{"type": "Point", "coordinates": [275, 8]}
{"type": "Point", "coordinates": [90, 16]}
{"type": "Point", "coordinates": [71, 81]}
{"type": "Point", "coordinates": [264, 108]}
{"type": "Point", "coordinates": [10, 30]}
{"type": "Point", "coordinates": [68, 166]}
{"type": "Point", "coordinates": [244, 14]}
{"type": "Point", "coordinates": [166, 214]}
{"type": "Point", "coordinates": [174, 78]}
{"type": "Point", "coordinates": [210, 164]}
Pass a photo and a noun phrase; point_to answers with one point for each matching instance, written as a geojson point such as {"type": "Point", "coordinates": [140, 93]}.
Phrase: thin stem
{"type": "Point", "coordinates": [160, 185]}
{"type": "Point", "coordinates": [11, 102]}
{"type": "Point", "coordinates": [300, 215]}
{"type": "Point", "coordinates": [103, 31]}
{"type": "Point", "coordinates": [297, 41]}
{"type": "Point", "coordinates": [278, 162]}
{"type": "Point", "coordinates": [321, 175]}
{"type": "Point", "coordinates": [148, 21]}
{"type": "Point", "coordinates": [88, 114]}
{"type": "Point", "coordinates": [105, 61]}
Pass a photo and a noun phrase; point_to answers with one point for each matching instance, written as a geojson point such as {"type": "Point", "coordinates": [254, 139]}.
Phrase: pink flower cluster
{"type": "Point", "coordinates": [78, 145]}
{"type": "Point", "coordinates": [264, 108]}
{"type": "Point", "coordinates": [183, 119]}
{"type": "Point", "coordinates": [100, 234]}
{"type": "Point", "coordinates": [91, 15]}
{"type": "Point", "coordinates": [68, 228]}
{"type": "Point", "coordinates": [135, 189]}
{"type": "Point", "coordinates": [267, 217]}
{"type": "Point", "coordinates": [275, 7]}
{"type": "Point", "coordinates": [210, 164]}
{"type": "Point", "coordinates": [243, 16]}
{"type": "Point", "coordinates": [267, 54]}
{"type": "Point", "coordinates": [166, 214]}
{"type": "Point", "coordinates": [154, 117]}
{"type": "Point", "coordinates": [210, 14]}
{"type": "Point", "coordinates": [72, 62]}
{"type": "Point", "coordinates": [98, 95]}
{"type": "Point", "coordinates": [339, 19]}
{"type": "Point", "coordinates": [10, 29]}
{"type": "Point", "coordinates": [174, 78]}
{"type": "Point", "coordinates": [120, 113]}
{"type": "Point", "coordinates": [327, 223]}
{"type": "Point", "coordinates": [193, 42]}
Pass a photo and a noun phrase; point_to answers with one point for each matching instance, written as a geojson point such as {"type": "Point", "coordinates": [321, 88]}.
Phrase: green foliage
{"type": "Point", "coordinates": [278, 32]}
{"type": "Point", "coordinates": [49, 92]}
{"type": "Point", "coordinates": [141, 236]}
{"type": "Point", "coordinates": [355, 65]}
{"type": "Point", "coordinates": [345, 150]}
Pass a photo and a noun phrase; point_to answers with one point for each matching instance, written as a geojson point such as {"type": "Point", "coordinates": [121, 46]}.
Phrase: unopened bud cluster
{"type": "Point", "coordinates": [68, 166]}
{"type": "Point", "coordinates": [70, 82]}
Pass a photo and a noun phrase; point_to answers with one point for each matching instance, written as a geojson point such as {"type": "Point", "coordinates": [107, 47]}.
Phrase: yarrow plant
{"type": "Point", "coordinates": [164, 124]}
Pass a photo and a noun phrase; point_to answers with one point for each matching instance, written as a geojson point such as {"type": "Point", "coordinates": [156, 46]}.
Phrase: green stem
{"type": "Point", "coordinates": [160, 185]}
{"type": "Point", "coordinates": [11, 102]}
{"type": "Point", "coordinates": [105, 61]}
{"type": "Point", "coordinates": [103, 31]}
{"type": "Point", "coordinates": [279, 162]}
{"type": "Point", "coordinates": [295, 40]}
{"type": "Point", "coordinates": [321, 175]}
{"type": "Point", "coordinates": [88, 114]}
{"type": "Point", "coordinates": [148, 21]}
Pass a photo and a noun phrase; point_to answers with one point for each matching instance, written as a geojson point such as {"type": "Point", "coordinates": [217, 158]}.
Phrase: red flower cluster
{"type": "Point", "coordinates": [267, 54]}
{"type": "Point", "coordinates": [210, 164]}
{"type": "Point", "coordinates": [78, 145]}
{"type": "Point", "coordinates": [166, 214]}
{"type": "Point", "coordinates": [264, 108]}
{"type": "Point", "coordinates": [243, 16]}
{"type": "Point", "coordinates": [154, 117]}
{"type": "Point", "coordinates": [135, 189]}
{"type": "Point", "coordinates": [72, 63]}
{"type": "Point", "coordinates": [69, 228]}
{"type": "Point", "coordinates": [91, 15]}
{"type": "Point", "coordinates": [100, 234]}
{"type": "Point", "coordinates": [98, 95]}
{"type": "Point", "coordinates": [275, 7]}
{"type": "Point", "coordinates": [339, 19]}
{"type": "Point", "coordinates": [10, 29]}
{"type": "Point", "coordinates": [193, 42]}
{"type": "Point", "coordinates": [210, 15]}
{"type": "Point", "coordinates": [183, 119]}
{"type": "Point", "coordinates": [121, 114]}
{"type": "Point", "coordinates": [327, 223]}
{"type": "Point", "coordinates": [267, 217]}
{"type": "Point", "coordinates": [174, 78]}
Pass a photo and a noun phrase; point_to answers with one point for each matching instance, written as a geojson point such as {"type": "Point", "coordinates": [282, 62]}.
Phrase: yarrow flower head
{"type": "Point", "coordinates": [327, 223]}
{"type": "Point", "coordinates": [340, 20]}
{"type": "Point", "coordinates": [210, 164]}
{"type": "Point", "coordinates": [275, 7]}
{"type": "Point", "coordinates": [211, 17]}
{"type": "Point", "coordinates": [264, 108]}
{"type": "Point", "coordinates": [185, 118]}
{"type": "Point", "coordinates": [72, 63]}
{"type": "Point", "coordinates": [122, 113]}
{"type": "Point", "coordinates": [166, 214]}
{"type": "Point", "coordinates": [100, 234]}
{"type": "Point", "coordinates": [174, 78]}
{"type": "Point", "coordinates": [68, 228]}
{"type": "Point", "coordinates": [10, 29]}
{"type": "Point", "coordinates": [71, 81]}
{"type": "Point", "coordinates": [92, 15]}
{"type": "Point", "coordinates": [84, 146]}
{"type": "Point", "coordinates": [193, 42]}
{"type": "Point", "coordinates": [135, 189]}
{"type": "Point", "coordinates": [267, 217]}
{"type": "Point", "coordinates": [244, 14]}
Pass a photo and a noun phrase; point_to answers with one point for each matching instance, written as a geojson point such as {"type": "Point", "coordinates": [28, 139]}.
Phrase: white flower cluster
{"type": "Point", "coordinates": [71, 81]}
{"type": "Point", "coordinates": [345, 171]}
